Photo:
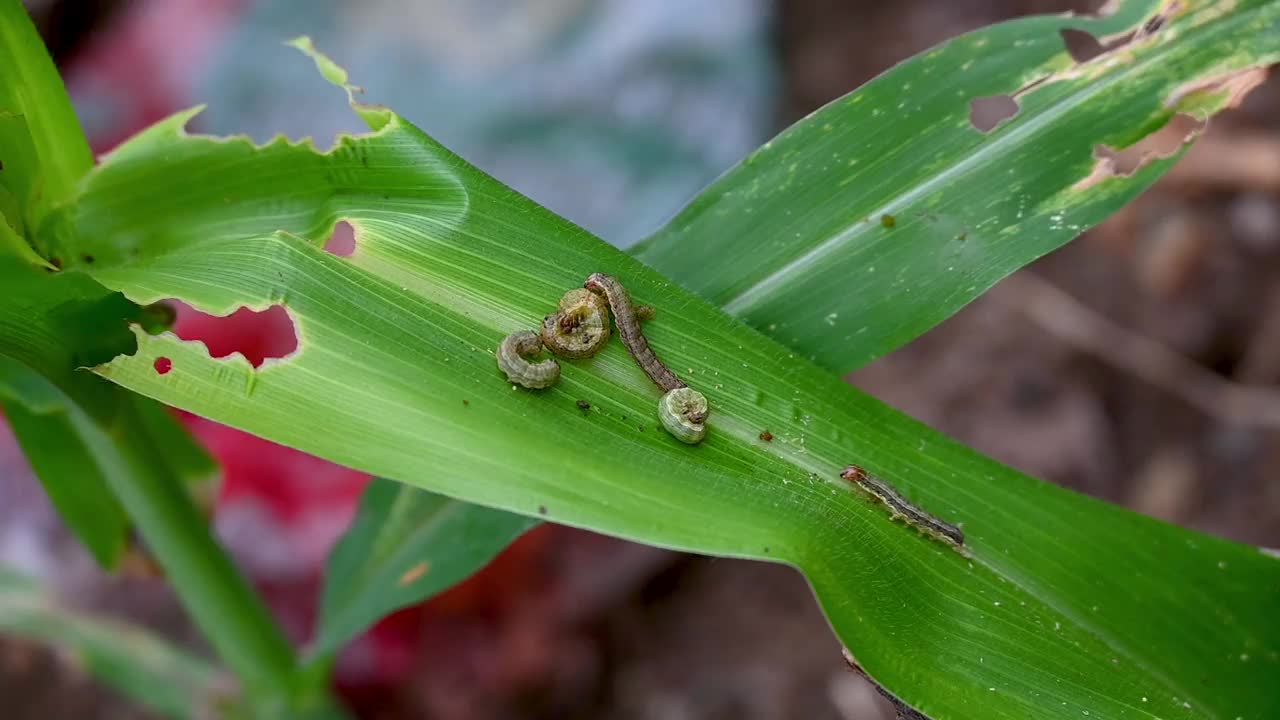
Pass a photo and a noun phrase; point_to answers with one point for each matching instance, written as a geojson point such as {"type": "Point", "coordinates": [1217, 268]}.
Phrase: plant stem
{"type": "Point", "coordinates": [219, 600]}
{"type": "Point", "coordinates": [221, 603]}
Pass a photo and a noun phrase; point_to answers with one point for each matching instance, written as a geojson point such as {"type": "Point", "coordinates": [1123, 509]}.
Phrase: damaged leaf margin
{"type": "Point", "coordinates": [790, 240]}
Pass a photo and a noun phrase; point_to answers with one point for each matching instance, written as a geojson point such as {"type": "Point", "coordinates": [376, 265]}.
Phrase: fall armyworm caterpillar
{"type": "Point", "coordinates": [513, 359]}
{"type": "Point", "coordinates": [899, 507]}
{"type": "Point", "coordinates": [682, 410]}
{"type": "Point", "coordinates": [580, 326]}
{"type": "Point", "coordinates": [624, 314]}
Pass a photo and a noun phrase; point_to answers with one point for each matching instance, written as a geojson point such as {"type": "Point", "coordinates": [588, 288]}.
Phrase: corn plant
{"type": "Point", "coordinates": [846, 236]}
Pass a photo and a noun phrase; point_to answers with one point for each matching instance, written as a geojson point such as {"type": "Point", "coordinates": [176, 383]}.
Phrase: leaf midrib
{"type": "Point", "coordinates": [756, 293]}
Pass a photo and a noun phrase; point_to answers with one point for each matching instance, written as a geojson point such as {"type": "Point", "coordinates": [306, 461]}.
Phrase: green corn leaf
{"type": "Point", "coordinates": [77, 431]}
{"type": "Point", "coordinates": [69, 454]}
{"type": "Point", "coordinates": [1059, 606]}
{"type": "Point", "coordinates": [50, 325]}
{"type": "Point", "coordinates": [404, 546]}
{"type": "Point", "coordinates": [886, 211]}
{"type": "Point", "coordinates": [99, 450]}
{"type": "Point", "coordinates": [43, 153]}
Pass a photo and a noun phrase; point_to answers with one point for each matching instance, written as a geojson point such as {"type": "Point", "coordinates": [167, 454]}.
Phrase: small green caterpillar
{"type": "Point", "coordinates": [513, 359]}
{"type": "Point", "coordinates": [683, 412]}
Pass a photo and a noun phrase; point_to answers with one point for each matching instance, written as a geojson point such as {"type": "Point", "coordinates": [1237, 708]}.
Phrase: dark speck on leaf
{"type": "Point", "coordinates": [962, 237]}
{"type": "Point", "coordinates": [56, 262]}
{"type": "Point", "coordinates": [584, 405]}
{"type": "Point", "coordinates": [87, 258]}
{"type": "Point", "coordinates": [766, 436]}
{"type": "Point", "coordinates": [888, 221]}
{"type": "Point", "coordinates": [466, 402]}
{"type": "Point", "coordinates": [542, 509]}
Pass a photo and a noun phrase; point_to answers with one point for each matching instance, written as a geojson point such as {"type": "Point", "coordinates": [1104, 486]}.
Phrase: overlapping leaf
{"type": "Point", "coordinates": [404, 546]}
{"type": "Point", "coordinates": [43, 153]}
{"type": "Point", "coordinates": [98, 448]}
{"type": "Point", "coordinates": [886, 211]}
{"type": "Point", "coordinates": [79, 433]}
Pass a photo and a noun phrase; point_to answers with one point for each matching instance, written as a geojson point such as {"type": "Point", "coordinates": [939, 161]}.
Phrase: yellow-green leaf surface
{"type": "Point", "coordinates": [1060, 606]}
{"type": "Point", "coordinates": [886, 211]}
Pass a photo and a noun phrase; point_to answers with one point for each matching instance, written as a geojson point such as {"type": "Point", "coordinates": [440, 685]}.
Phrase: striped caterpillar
{"type": "Point", "coordinates": [682, 410]}
{"type": "Point", "coordinates": [901, 508]}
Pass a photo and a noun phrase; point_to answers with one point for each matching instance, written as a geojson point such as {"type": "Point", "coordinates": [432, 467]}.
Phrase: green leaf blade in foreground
{"type": "Point", "coordinates": [404, 546]}
{"type": "Point", "coordinates": [82, 435]}
{"type": "Point", "coordinates": [43, 152]}
{"type": "Point", "coordinates": [796, 242]}
{"type": "Point", "coordinates": [69, 455]}
{"type": "Point", "coordinates": [144, 667]}
{"type": "Point", "coordinates": [112, 453]}
{"type": "Point", "coordinates": [1049, 615]}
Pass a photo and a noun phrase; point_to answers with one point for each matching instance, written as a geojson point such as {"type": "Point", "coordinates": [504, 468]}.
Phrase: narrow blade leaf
{"type": "Point", "coordinates": [886, 211]}
{"type": "Point", "coordinates": [404, 546]}
{"type": "Point", "coordinates": [143, 667]}
{"type": "Point", "coordinates": [43, 152]}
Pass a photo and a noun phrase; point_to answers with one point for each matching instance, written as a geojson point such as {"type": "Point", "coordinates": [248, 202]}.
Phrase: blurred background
{"type": "Point", "coordinates": [1126, 365]}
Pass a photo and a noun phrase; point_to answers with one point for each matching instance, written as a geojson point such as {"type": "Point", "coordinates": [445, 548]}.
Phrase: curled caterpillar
{"type": "Point", "coordinates": [580, 326]}
{"type": "Point", "coordinates": [514, 353]}
{"type": "Point", "coordinates": [900, 508]}
{"type": "Point", "coordinates": [683, 412]}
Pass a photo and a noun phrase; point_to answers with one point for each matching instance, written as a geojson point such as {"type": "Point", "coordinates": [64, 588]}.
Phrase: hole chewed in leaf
{"type": "Point", "coordinates": [987, 112]}
{"type": "Point", "coordinates": [1162, 143]}
{"type": "Point", "coordinates": [258, 336]}
{"type": "Point", "coordinates": [1083, 46]}
{"type": "Point", "coordinates": [163, 365]}
{"type": "Point", "coordinates": [1088, 51]}
{"type": "Point", "coordinates": [343, 240]}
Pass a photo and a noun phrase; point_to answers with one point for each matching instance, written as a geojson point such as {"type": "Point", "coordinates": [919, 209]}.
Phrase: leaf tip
{"type": "Point", "coordinates": [375, 116]}
{"type": "Point", "coordinates": [330, 70]}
